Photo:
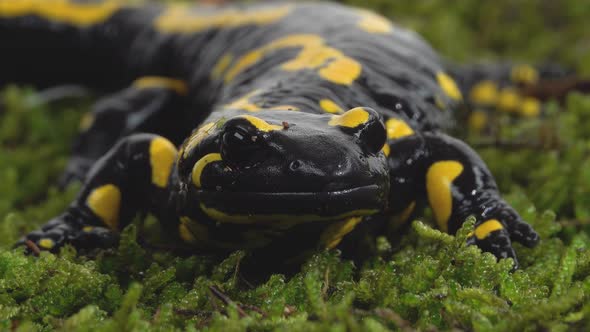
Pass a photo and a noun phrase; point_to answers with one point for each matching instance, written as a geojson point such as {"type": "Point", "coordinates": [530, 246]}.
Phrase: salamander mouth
{"type": "Point", "coordinates": [261, 207]}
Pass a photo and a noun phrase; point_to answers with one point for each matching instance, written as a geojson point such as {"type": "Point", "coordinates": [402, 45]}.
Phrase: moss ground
{"type": "Point", "coordinates": [428, 281]}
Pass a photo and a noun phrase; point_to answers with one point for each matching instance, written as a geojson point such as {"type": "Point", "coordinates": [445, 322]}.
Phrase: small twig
{"type": "Point", "coordinates": [394, 317]}
{"type": "Point", "coordinates": [156, 316]}
{"type": "Point", "coordinates": [33, 247]}
{"type": "Point", "coordinates": [574, 222]}
{"type": "Point", "coordinates": [289, 310]}
{"type": "Point", "coordinates": [14, 325]}
{"type": "Point", "coordinates": [226, 300]}
{"type": "Point", "coordinates": [237, 269]}
{"type": "Point", "coordinates": [326, 283]}
{"type": "Point", "coordinates": [254, 308]}
{"type": "Point", "coordinates": [249, 284]}
{"type": "Point", "coordinates": [557, 88]}
{"type": "Point", "coordinates": [188, 312]}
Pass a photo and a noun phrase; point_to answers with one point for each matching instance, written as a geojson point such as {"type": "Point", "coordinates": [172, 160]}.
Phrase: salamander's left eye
{"type": "Point", "coordinates": [240, 147]}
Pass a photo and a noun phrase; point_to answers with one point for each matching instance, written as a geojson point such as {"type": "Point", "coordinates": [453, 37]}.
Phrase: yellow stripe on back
{"type": "Point", "coordinates": [81, 14]}
{"type": "Point", "coordinates": [244, 104]}
{"type": "Point", "coordinates": [330, 63]}
{"type": "Point", "coordinates": [221, 66]}
{"type": "Point", "coordinates": [342, 70]}
{"type": "Point", "coordinates": [147, 82]}
{"type": "Point", "coordinates": [439, 179]}
{"type": "Point", "coordinates": [180, 19]}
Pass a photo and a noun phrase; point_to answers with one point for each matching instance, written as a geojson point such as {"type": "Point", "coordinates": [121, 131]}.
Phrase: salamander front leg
{"type": "Point", "coordinates": [151, 104]}
{"type": "Point", "coordinates": [131, 178]}
{"type": "Point", "coordinates": [457, 184]}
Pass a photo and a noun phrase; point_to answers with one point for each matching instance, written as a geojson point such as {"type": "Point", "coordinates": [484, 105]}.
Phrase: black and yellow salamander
{"type": "Point", "coordinates": [270, 127]}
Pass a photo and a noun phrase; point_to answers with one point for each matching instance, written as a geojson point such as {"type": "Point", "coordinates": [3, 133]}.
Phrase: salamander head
{"type": "Point", "coordinates": [277, 165]}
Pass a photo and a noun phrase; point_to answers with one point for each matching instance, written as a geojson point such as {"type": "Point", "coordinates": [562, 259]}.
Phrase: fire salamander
{"type": "Point", "coordinates": [276, 128]}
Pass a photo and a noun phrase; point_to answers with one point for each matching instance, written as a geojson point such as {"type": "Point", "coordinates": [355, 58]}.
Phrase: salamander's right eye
{"type": "Point", "coordinates": [241, 146]}
{"type": "Point", "coordinates": [364, 123]}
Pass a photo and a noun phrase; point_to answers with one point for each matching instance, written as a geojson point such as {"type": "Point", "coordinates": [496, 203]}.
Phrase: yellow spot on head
{"type": "Point", "coordinates": [46, 243]}
{"type": "Point", "coordinates": [508, 100]}
{"type": "Point", "coordinates": [331, 107]}
{"type": "Point", "coordinates": [200, 165]}
{"type": "Point", "coordinates": [374, 23]}
{"type": "Point", "coordinates": [351, 119]}
{"type": "Point", "coordinates": [530, 107]}
{"type": "Point", "coordinates": [449, 86]}
{"type": "Point", "coordinates": [386, 150]}
{"type": "Point", "coordinates": [524, 74]}
{"type": "Point", "coordinates": [221, 66]}
{"type": "Point", "coordinates": [333, 234]}
{"type": "Point", "coordinates": [484, 93]}
{"type": "Point", "coordinates": [260, 124]}
{"type": "Point", "coordinates": [88, 228]}
{"type": "Point", "coordinates": [105, 202]}
{"type": "Point", "coordinates": [397, 128]}
{"type": "Point", "coordinates": [86, 121]}
{"type": "Point", "coordinates": [196, 138]}
{"type": "Point", "coordinates": [76, 13]}
{"type": "Point", "coordinates": [439, 179]}
{"type": "Point", "coordinates": [162, 155]}
{"type": "Point", "coordinates": [482, 231]}
{"type": "Point", "coordinates": [477, 120]}
{"type": "Point", "coordinates": [150, 82]}
{"type": "Point", "coordinates": [179, 19]}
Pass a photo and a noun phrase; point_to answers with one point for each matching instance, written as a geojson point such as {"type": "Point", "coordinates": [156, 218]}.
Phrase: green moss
{"type": "Point", "coordinates": [429, 281]}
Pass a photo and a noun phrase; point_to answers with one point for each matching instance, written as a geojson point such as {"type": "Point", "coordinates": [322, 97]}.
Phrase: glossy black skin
{"type": "Point", "coordinates": [307, 167]}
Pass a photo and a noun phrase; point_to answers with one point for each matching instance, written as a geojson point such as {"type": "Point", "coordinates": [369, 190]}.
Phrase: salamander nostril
{"type": "Point", "coordinates": [294, 165]}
